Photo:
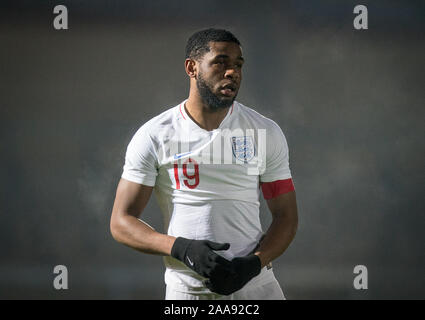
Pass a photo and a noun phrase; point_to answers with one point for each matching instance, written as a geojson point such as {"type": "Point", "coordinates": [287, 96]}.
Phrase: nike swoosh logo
{"type": "Point", "coordinates": [190, 262]}
{"type": "Point", "coordinates": [179, 155]}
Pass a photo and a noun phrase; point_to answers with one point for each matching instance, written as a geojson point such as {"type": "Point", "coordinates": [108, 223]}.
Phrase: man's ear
{"type": "Point", "coordinates": [190, 67]}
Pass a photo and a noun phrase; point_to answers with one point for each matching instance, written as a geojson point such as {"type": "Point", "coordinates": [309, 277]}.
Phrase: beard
{"type": "Point", "coordinates": [209, 98]}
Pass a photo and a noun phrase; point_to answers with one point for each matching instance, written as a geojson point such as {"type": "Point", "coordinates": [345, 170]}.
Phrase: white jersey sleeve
{"type": "Point", "coordinates": [277, 155]}
{"type": "Point", "coordinates": [140, 160]}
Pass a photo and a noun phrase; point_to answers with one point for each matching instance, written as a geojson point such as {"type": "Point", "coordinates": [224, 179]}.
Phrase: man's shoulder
{"type": "Point", "coordinates": [253, 116]}
{"type": "Point", "coordinates": [162, 121]}
{"type": "Point", "coordinates": [164, 117]}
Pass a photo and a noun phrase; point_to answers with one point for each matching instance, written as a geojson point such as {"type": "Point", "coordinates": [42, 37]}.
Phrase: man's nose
{"type": "Point", "coordinates": [231, 73]}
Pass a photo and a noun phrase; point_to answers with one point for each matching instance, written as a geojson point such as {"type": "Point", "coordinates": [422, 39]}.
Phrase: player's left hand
{"type": "Point", "coordinates": [244, 269]}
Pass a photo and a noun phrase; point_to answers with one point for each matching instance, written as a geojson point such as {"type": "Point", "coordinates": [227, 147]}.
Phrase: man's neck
{"type": "Point", "coordinates": [205, 117]}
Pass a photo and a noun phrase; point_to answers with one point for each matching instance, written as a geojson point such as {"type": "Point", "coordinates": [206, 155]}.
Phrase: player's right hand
{"type": "Point", "coordinates": [199, 256]}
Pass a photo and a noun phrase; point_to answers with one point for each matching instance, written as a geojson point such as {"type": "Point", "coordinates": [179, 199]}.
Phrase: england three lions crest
{"type": "Point", "coordinates": [243, 148]}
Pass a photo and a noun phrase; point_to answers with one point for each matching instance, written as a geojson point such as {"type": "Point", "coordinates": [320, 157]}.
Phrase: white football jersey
{"type": "Point", "coordinates": [207, 182]}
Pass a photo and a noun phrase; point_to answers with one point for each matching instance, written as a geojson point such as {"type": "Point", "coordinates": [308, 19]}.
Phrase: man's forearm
{"type": "Point", "coordinates": [138, 235]}
{"type": "Point", "coordinates": [279, 236]}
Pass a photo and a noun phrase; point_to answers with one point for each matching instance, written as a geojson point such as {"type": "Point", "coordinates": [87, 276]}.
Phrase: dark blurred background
{"type": "Point", "coordinates": [350, 102]}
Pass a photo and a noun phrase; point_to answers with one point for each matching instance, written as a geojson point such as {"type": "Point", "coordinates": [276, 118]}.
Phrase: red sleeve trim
{"type": "Point", "coordinates": [275, 188]}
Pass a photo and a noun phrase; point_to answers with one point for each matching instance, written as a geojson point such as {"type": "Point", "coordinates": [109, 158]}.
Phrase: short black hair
{"type": "Point", "coordinates": [197, 45]}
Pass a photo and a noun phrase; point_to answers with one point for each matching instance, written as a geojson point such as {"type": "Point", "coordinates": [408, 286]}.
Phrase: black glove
{"type": "Point", "coordinates": [200, 257]}
{"type": "Point", "coordinates": [244, 269]}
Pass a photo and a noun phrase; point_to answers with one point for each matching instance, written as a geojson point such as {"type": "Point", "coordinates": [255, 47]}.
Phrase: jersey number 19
{"type": "Point", "coordinates": [191, 180]}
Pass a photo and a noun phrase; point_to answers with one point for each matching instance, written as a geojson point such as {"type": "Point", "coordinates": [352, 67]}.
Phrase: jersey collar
{"type": "Point", "coordinates": [193, 125]}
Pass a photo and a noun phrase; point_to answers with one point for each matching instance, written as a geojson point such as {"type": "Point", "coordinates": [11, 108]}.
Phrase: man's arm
{"type": "Point", "coordinates": [282, 229]}
{"type": "Point", "coordinates": [130, 200]}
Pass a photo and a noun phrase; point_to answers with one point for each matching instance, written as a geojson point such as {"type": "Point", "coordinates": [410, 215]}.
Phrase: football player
{"type": "Point", "coordinates": [207, 160]}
